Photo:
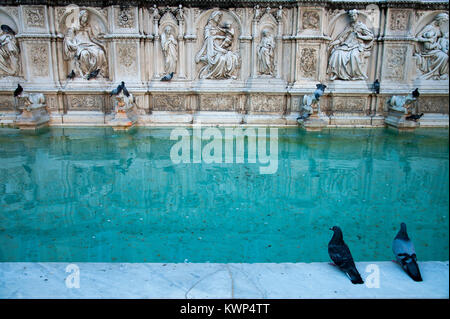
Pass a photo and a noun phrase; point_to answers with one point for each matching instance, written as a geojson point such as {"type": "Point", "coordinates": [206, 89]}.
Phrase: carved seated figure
{"type": "Point", "coordinates": [401, 103]}
{"type": "Point", "coordinates": [310, 100]}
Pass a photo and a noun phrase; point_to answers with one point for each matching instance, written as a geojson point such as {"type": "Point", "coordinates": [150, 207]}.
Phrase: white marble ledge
{"type": "Point", "coordinates": [211, 280]}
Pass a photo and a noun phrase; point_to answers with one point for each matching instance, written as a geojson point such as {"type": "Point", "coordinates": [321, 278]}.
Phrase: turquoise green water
{"type": "Point", "coordinates": [92, 195]}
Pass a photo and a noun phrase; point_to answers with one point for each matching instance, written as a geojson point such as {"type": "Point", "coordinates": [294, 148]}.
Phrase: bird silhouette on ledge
{"type": "Point", "coordinates": [414, 117]}
{"type": "Point", "coordinates": [167, 77]}
{"type": "Point", "coordinates": [18, 91]}
{"type": "Point", "coordinates": [93, 74]}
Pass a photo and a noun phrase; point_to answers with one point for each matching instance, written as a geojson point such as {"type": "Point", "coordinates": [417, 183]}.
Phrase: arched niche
{"type": "Point", "coordinates": [342, 20]}
{"type": "Point", "coordinates": [426, 20]}
{"type": "Point", "coordinates": [230, 16]}
{"type": "Point", "coordinates": [269, 23]}
{"type": "Point", "coordinates": [168, 19]}
{"type": "Point", "coordinates": [96, 20]}
{"type": "Point", "coordinates": [6, 18]}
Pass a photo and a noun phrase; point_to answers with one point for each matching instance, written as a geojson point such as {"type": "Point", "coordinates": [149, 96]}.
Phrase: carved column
{"type": "Point", "coordinates": [254, 44]}
{"type": "Point", "coordinates": [181, 50]}
{"type": "Point", "coordinates": [279, 41]}
{"type": "Point", "coordinates": [156, 41]}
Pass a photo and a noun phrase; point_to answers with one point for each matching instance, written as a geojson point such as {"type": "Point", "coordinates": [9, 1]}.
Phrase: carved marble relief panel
{"type": "Point", "coordinates": [84, 45]}
{"type": "Point", "coordinates": [310, 20]}
{"type": "Point", "coordinates": [218, 102]}
{"type": "Point", "coordinates": [350, 48]}
{"type": "Point", "coordinates": [267, 103]}
{"type": "Point", "coordinates": [350, 104]}
{"type": "Point", "coordinates": [34, 18]}
{"type": "Point", "coordinates": [38, 59]}
{"type": "Point", "coordinates": [398, 20]}
{"type": "Point", "coordinates": [307, 62]}
{"type": "Point", "coordinates": [127, 60]}
{"type": "Point", "coordinates": [432, 49]}
{"type": "Point", "coordinates": [169, 102]}
{"type": "Point", "coordinates": [10, 54]}
{"type": "Point", "coordinates": [394, 63]}
{"type": "Point", "coordinates": [433, 104]}
{"type": "Point", "coordinates": [7, 102]}
{"type": "Point", "coordinates": [219, 55]}
{"type": "Point", "coordinates": [125, 19]}
{"type": "Point", "coordinates": [85, 102]}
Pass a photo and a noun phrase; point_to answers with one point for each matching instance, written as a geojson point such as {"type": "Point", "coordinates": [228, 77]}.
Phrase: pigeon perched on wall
{"type": "Point", "coordinates": [376, 86]}
{"type": "Point", "coordinates": [118, 89]}
{"type": "Point", "coordinates": [303, 116]}
{"type": "Point", "coordinates": [341, 256]}
{"type": "Point", "coordinates": [93, 74]}
{"type": "Point", "coordinates": [414, 117]}
{"type": "Point", "coordinates": [405, 253]}
{"type": "Point", "coordinates": [167, 77]}
{"type": "Point", "coordinates": [71, 75]}
{"type": "Point", "coordinates": [125, 91]}
{"type": "Point", "coordinates": [415, 93]}
{"type": "Point", "coordinates": [18, 91]}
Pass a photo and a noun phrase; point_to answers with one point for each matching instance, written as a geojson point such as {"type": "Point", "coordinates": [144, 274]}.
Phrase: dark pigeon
{"type": "Point", "coordinates": [341, 256]}
{"type": "Point", "coordinates": [415, 93]}
{"type": "Point", "coordinates": [320, 88]}
{"type": "Point", "coordinates": [18, 91]}
{"type": "Point", "coordinates": [167, 77]}
{"type": "Point", "coordinates": [71, 75]}
{"type": "Point", "coordinates": [405, 253]}
{"type": "Point", "coordinates": [5, 28]}
{"type": "Point", "coordinates": [414, 117]}
{"type": "Point", "coordinates": [118, 89]}
{"type": "Point", "coordinates": [93, 74]}
{"type": "Point", "coordinates": [303, 116]}
{"type": "Point", "coordinates": [376, 86]}
{"type": "Point", "coordinates": [125, 91]}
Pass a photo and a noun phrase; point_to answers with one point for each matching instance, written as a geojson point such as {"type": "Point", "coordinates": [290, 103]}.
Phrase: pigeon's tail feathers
{"type": "Point", "coordinates": [354, 276]}
{"type": "Point", "coordinates": [412, 269]}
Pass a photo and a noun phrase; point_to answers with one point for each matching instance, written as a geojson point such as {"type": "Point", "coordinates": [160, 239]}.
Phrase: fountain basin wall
{"type": "Point", "coordinates": [297, 46]}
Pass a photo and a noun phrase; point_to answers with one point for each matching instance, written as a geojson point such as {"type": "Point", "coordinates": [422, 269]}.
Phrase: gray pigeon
{"type": "Point", "coordinates": [167, 77]}
{"type": "Point", "coordinates": [405, 253]}
{"type": "Point", "coordinates": [341, 256]}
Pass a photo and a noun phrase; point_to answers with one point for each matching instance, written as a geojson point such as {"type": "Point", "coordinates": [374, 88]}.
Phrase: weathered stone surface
{"type": "Point", "coordinates": [251, 58]}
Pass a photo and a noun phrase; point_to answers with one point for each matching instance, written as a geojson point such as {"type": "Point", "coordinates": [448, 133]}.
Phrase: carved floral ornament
{"type": "Point", "coordinates": [34, 16]}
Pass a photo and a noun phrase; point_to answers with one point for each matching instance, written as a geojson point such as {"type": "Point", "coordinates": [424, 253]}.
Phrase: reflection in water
{"type": "Point", "coordinates": [93, 195]}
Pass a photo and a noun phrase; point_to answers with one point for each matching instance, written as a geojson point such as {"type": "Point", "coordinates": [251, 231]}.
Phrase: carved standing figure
{"type": "Point", "coordinates": [266, 53]}
{"type": "Point", "coordinates": [432, 59]}
{"type": "Point", "coordinates": [349, 51]}
{"type": "Point", "coordinates": [9, 52]}
{"type": "Point", "coordinates": [220, 62]}
{"type": "Point", "coordinates": [83, 49]}
{"type": "Point", "coordinates": [169, 48]}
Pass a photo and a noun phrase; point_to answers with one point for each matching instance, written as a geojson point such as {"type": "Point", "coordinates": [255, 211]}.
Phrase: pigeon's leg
{"type": "Point", "coordinates": [332, 264]}
{"type": "Point", "coordinates": [395, 261]}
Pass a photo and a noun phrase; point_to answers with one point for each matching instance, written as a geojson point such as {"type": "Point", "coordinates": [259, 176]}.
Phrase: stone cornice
{"type": "Point", "coordinates": [343, 4]}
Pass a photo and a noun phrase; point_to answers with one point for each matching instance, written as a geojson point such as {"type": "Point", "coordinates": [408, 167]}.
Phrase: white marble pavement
{"type": "Point", "coordinates": [209, 280]}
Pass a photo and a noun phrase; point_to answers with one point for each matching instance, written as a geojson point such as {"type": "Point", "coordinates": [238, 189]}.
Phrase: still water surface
{"type": "Point", "coordinates": [93, 195]}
